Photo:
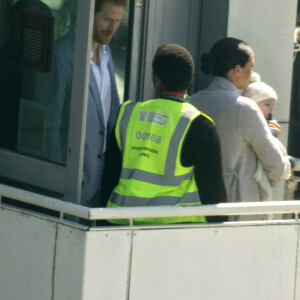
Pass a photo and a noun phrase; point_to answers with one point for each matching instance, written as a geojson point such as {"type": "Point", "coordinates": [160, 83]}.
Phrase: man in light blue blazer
{"type": "Point", "coordinates": [103, 99]}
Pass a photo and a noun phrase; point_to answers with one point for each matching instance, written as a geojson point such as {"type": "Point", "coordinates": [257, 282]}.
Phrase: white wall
{"type": "Point", "coordinates": [249, 262]}
{"type": "Point", "coordinates": [268, 27]}
{"type": "Point", "coordinates": [42, 259]}
{"type": "Point", "coordinates": [100, 272]}
{"type": "Point", "coordinates": [27, 250]}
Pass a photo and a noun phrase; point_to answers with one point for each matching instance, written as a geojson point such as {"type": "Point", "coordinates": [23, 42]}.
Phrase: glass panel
{"type": "Point", "coordinates": [31, 92]}
{"type": "Point", "coordinates": [36, 81]}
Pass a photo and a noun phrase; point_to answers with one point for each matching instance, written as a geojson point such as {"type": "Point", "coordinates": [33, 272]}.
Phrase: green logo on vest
{"type": "Point", "coordinates": [143, 115]}
{"type": "Point", "coordinates": [153, 117]}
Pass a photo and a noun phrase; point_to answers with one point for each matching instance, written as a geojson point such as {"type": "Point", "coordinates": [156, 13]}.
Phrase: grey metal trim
{"type": "Point", "coordinates": [32, 171]}
{"type": "Point", "coordinates": [44, 201]}
{"type": "Point", "coordinates": [221, 209]}
{"type": "Point", "coordinates": [138, 55]}
{"type": "Point", "coordinates": [131, 201]}
{"type": "Point", "coordinates": [193, 35]}
{"type": "Point", "coordinates": [77, 124]}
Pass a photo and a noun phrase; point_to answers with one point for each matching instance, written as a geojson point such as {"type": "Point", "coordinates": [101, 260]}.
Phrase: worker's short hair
{"type": "Point", "coordinates": [174, 66]}
{"type": "Point", "coordinates": [99, 3]}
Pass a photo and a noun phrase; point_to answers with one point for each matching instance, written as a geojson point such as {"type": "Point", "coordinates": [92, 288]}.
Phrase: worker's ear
{"type": "Point", "coordinates": [157, 83]}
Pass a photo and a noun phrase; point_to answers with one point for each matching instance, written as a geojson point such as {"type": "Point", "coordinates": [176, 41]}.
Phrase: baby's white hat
{"type": "Point", "coordinates": [259, 91]}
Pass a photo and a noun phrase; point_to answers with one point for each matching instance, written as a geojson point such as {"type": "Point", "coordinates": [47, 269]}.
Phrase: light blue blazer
{"type": "Point", "coordinates": [54, 92]}
{"type": "Point", "coordinates": [95, 130]}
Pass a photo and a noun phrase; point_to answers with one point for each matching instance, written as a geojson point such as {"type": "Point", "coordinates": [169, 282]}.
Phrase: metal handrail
{"type": "Point", "coordinates": [222, 209]}
{"type": "Point", "coordinates": [44, 201]}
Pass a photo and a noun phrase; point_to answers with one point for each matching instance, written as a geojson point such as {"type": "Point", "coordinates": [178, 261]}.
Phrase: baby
{"type": "Point", "coordinates": [265, 97]}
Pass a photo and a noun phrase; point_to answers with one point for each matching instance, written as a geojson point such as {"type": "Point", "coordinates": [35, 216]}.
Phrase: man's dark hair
{"type": "Point", "coordinates": [174, 66]}
{"type": "Point", "coordinates": [99, 3]}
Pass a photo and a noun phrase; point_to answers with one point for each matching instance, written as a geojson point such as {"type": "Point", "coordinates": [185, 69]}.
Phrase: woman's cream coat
{"type": "Point", "coordinates": [245, 139]}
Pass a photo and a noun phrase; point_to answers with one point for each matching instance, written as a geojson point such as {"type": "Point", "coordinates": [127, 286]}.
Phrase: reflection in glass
{"type": "Point", "coordinates": [27, 60]}
{"type": "Point", "coordinates": [36, 67]}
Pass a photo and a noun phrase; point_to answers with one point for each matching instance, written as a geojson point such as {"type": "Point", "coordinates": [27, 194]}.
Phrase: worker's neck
{"type": "Point", "coordinates": [179, 93]}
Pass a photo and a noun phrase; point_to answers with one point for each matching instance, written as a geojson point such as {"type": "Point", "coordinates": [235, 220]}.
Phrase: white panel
{"type": "Point", "coordinates": [215, 263]}
{"type": "Point", "coordinates": [32, 171]}
{"type": "Point", "coordinates": [26, 256]}
{"type": "Point", "coordinates": [91, 264]}
{"type": "Point", "coordinates": [106, 265]}
{"type": "Point", "coordinates": [69, 263]}
{"type": "Point", "coordinates": [268, 27]}
{"type": "Point", "coordinates": [297, 289]}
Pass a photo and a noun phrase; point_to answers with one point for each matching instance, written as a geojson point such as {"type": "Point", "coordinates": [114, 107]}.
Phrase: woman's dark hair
{"type": "Point", "coordinates": [174, 66]}
{"type": "Point", "coordinates": [224, 56]}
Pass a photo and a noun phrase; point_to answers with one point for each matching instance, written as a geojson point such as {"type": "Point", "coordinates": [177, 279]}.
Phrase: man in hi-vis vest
{"type": "Point", "coordinates": [164, 151]}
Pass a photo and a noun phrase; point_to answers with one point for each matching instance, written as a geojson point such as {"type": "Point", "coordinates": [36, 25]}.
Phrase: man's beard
{"type": "Point", "coordinates": [102, 38]}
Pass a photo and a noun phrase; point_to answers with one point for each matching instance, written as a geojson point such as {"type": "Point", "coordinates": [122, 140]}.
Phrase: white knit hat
{"type": "Point", "coordinates": [259, 91]}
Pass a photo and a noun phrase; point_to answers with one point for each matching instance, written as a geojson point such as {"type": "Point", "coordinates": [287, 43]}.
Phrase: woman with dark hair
{"type": "Point", "coordinates": [244, 133]}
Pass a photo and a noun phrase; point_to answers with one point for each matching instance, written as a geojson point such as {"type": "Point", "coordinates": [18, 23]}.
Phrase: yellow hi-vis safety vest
{"type": "Point", "coordinates": [150, 136]}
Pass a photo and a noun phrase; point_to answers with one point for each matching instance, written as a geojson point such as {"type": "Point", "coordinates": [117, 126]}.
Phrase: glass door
{"type": "Point", "coordinates": [30, 155]}
{"type": "Point", "coordinates": [29, 91]}
{"type": "Point", "coordinates": [44, 75]}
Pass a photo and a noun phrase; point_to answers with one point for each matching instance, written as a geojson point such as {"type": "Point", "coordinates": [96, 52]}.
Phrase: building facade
{"type": "Point", "coordinates": [27, 49]}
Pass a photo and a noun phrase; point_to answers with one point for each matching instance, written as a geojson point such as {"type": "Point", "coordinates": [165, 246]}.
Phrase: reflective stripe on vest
{"type": "Point", "coordinates": [132, 201]}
